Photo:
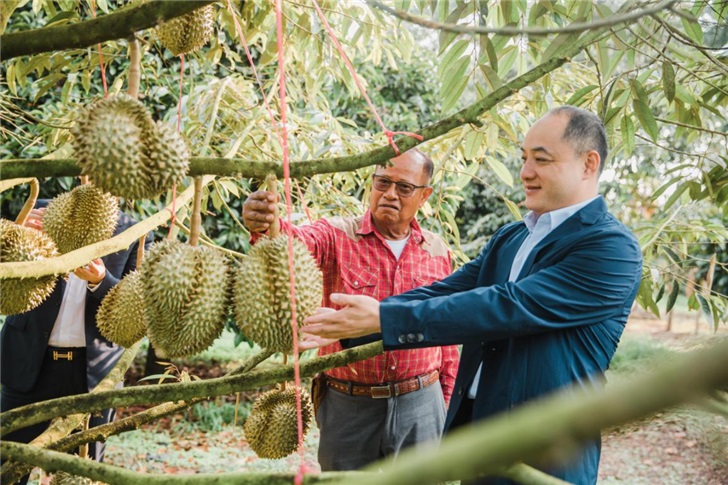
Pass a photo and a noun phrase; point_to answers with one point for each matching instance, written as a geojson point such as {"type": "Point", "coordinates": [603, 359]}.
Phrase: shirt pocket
{"type": "Point", "coordinates": [359, 280]}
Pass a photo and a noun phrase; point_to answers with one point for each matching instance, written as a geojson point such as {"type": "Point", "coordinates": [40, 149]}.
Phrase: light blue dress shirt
{"type": "Point", "coordinates": [538, 228]}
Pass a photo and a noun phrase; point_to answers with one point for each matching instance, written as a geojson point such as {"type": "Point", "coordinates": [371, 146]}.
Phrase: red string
{"type": "Point", "coordinates": [101, 57]}
{"type": "Point", "coordinates": [292, 282]}
{"type": "Point", "coordinates": [388, 133]}
{"type": "Point", "coordinates": [173, 219]}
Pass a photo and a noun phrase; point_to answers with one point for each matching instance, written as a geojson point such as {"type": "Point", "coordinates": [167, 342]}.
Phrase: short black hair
{"type": "Point", "coordinates": [585, 131]}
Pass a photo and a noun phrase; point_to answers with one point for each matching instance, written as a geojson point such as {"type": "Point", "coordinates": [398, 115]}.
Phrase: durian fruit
{"type": "Point", "coordinates": [83, 216]}
{"type": "Point", "coordinates": [125, 152]}
{"type": "Point", "coordinates": [185, 291]}
{"type": "Point", "coordinates": [262, 292]}
{"type": "Point", "coordinates": [187, 33]}
{"type": "Point", "coordinates": [120, 317]}
{"type": "Point", "coordinates": [64, 478]}
{"type": "Point", "coordinates": [272, 425]}
{"type": "Point", "coordinates": [19, 243]}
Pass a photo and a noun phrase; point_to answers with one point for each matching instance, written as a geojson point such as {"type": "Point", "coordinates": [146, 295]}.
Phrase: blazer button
{"type": "Point", "coordinates": [411, 338]}
{"type": "Point", "coordinates": [402, 339]}
{"type": "Point", "coordinates": [420, 337]}
{"type": "Point", "coordinates": [460, 391]}
{"type": "Point", "coordinates": [482, 343]}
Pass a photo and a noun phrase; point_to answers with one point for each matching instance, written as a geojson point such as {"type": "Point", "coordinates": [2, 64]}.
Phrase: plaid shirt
{"type": "Point", "coordinates": [355, 259]}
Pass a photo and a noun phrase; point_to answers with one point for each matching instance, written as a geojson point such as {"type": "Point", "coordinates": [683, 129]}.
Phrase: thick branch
{"type": "Point", "coordinates": [117, 25]}
{"type": "Point", "coordinates": [12, 471]}
{"type": "Point", "coordinates": [53, 461]}
{"type": "Point", "coordinates": [530, 31]}
{"type": "Point", "coordinates": [79, 257]}
{"type": "Point", "coordinates": [258, 169]}
{"type": "Point", "coordinates": [545, 427]}
{"type": "Point", "coordinates": [38, 412]}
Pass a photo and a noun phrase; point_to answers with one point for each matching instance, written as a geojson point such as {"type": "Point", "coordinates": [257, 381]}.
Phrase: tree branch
{"type": "Point", "coordinates": [35, 413]}
{"type": "Point", "coordinates": [73, 259]}
{"type": "Point", "coordinates": [117, 25]}
{"type": "Point", "coordinates": [545, 427]}
{"type": "Point", "coordinates": [16, 168]}
{"type": "Point", "coordinates": [514, 31]}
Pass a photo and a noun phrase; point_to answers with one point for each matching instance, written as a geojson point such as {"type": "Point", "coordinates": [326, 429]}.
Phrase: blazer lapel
{"type": "Point", "coordinates": [587, 216]}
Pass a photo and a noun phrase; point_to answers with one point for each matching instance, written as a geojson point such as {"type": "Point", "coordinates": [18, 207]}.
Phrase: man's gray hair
{"type": "Point", "coordinates": [585, 131]}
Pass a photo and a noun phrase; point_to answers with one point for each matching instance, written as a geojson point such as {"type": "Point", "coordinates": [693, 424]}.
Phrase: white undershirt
{"type": "Point", "coordinates": [397, 246]}
{"type": "Point", "coordinates": [70, 329]}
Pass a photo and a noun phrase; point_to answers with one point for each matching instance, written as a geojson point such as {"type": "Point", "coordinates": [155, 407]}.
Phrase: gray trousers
{"type": "Point", "coordinates": [358, 430]}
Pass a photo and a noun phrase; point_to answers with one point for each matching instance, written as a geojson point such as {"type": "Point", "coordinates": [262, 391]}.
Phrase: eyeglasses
{"type": "Point", "coordinates": [382, 184]}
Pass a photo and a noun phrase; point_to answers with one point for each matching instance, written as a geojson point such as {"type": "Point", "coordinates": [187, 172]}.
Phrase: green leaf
{"type": "Point", "coordinates": [453, 54]}
{"type": "Point", "coordinates": [675, 196]}
{"type": "Point", "coordinates": [486, 45]}
{"type": "Point", "coordinates": [513, 208]}
{"type": "Point", "coordinates": [627, 135]}
{"type": "Point", "coordinates": [454, 84]}
{"type": "Point", "coordinates": [577, 96]}
{"type": "Point", "coordinates": [561, 40]}
{"type": "Point", "coordinates": [473, 146]}
{"type": "Point", "coordinates": [672, 298]}
{"type": "Point", "coordinates": [638, 92]}
{"type": "Point", "coordinates": [693, 30]}
{"type": "Point", "coordinates": [646, 119]}
{"type": "Point", "coordinates": [705, 307]}
{"type": "Point", "coordinates": [500, 170]}
{"type": "Point", "coordinates": [668, 80]}
{"type": "Point", "coordinates": [491, 77]}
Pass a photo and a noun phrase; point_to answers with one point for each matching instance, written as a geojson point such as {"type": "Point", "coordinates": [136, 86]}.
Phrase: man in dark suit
{"type": "Point", "coordinates": [56, 350]}
{"type": "Point", "coordinates": [544, 304]}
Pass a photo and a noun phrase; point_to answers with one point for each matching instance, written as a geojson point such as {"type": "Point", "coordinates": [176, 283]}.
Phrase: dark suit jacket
{"type": "Point", "coordinates": [558, 324]}
{"type": "Point", "coordinates": [24, 337]}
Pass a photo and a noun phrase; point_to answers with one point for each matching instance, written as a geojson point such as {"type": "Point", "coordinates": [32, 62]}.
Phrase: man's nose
{"type": "Point", "coordinates": [527, 171]}
{"type": "Point", "coordinates": [391, 191]}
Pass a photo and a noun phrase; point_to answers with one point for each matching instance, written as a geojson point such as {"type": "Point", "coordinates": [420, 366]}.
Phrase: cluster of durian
{"type": "Point", "coordinates": [17, 244]}
{"type": "Point", "coordinates": [64, 478]}
{"type": "Point", "coordinates": [125, 152]}
{"type": "Point", "coordinates": [187, 33]}
{"type": "Point", "coordinates": [262, 292]}
{"type": "Point", "coordinates": [120, 317]}
{"type": "Point", "coordinates": [186, 297]}
{"type": "Point", "coordinates": [272, 425]}
{"type": "Point", "coordinates": [83, 216]}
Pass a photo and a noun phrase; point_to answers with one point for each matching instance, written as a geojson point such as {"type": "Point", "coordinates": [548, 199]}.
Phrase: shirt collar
{"type": "Point", "coordinates": [367, 227]}
{"type": "Point", "coordinates": [554, 218]}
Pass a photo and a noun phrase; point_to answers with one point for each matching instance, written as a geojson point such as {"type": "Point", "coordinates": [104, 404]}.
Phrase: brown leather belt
{"type": "Point", "coordinates": [381, 391]}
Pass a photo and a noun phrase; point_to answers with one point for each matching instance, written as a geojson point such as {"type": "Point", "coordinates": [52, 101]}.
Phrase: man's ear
{"type": "Point", "coordinates": [426, 192]}
{"type": "Point", "coordinates": [591, 164]}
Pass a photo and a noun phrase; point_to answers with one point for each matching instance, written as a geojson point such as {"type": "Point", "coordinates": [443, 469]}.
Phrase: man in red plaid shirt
{"type": "Point", "coordinates": [378, 406]}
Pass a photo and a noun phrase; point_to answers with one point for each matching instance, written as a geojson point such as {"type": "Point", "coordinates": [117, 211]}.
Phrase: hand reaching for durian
{"type": "Point", "coordinates": [93, 272]}
{"type": "Point", "coordinates": [259, 210]}
{"type": "Point", "coordinates": [359, 317]}
{"type": "Point", "coordinates": [35, 219]}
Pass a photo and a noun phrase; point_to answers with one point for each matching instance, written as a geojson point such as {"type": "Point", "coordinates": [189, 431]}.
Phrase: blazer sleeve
{"type": "Point", "coordinates": [588, 285]}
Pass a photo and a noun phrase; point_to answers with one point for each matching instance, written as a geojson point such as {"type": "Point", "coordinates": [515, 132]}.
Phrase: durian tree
{"type": "Point", "coordinates": [654, 70]}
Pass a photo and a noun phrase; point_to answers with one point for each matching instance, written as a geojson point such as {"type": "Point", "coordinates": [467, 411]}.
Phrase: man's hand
{"type": "Point", "coordinates": [259, 210]}
{"type": "Point", "coordinates": [359, 317]}
{"type": "Point", "coordinates": [35, 219]}
{"type": "Point", "coordinates": [93, 272]}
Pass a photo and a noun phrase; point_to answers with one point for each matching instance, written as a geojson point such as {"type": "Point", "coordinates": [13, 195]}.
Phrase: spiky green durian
{"type": "Point", "coordinates": [262, 292]}
{"type": "Point", "coordinates": [63, 478]}
{"type": "Point", "coordinates": [125, 153]}
{"type": "Point", "coordinates": [185, 290]}
{"type": "Point", "coordinates": [272, 425]}
{"type": "Point", "coordinates": [187, 33]}
{"type": "Point", "coordinates": [120, 317]}
{"type": "Point", "coordinates": [17, 244]}
{"type": "Point", "coordinates": [83, 216]}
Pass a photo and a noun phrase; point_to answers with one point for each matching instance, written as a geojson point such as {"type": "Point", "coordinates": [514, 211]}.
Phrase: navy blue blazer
{"type": "Point", "coordinates": [558, 324]}
{"type": "Point", "coordinates": [24, 337]}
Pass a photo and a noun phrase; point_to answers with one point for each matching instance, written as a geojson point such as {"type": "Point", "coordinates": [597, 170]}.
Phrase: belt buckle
{"type": "Point", "coordinates": [58, 355]}
{"type": "Point", "coordinates": [381, 392]}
